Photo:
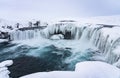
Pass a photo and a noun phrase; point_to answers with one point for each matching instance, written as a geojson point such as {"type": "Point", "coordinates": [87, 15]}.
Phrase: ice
{"type": "Point", "coordinates": [113, 42]}
{"type": "Point", "coordinates": [88, 69]}
{"type": "Point", "coordinates": [117, 64]}
{"type": "Point", "coordinates": [113, 33]}
{"type": "Point", "coordinates": [114, 58]}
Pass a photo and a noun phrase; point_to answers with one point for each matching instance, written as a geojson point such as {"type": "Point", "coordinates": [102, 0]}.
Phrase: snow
{"type": "Point", "coordinates": [6, 29]}
{"type": "Point", "coordinates": [3, 40]}
{"type": "Point", "coordinates": [99, 69]}
{"type": "Point", "coordinates": [114, 33]}
{"type": "Point", "coordinates": [6, 22]}
{"type": "Point", "coordinates": [4, 72]}
{"type": "Point", "coordinates": [6, 63]}
{"type": "Point", "coordinates": [109, 20]}
{"type": "Point", "coordinates": [57, 37]}
{"type": "Point", "coordinates": [88, 69]}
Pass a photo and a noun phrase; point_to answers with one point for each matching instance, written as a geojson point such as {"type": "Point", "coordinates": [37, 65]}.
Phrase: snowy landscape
{"type": "Point", "coordinates": [84, 48]}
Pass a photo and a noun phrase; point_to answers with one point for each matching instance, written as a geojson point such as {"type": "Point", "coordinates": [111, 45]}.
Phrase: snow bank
{"type": "Point", "coordinates": [96, 69]}
{"type": "Point", "coordinates": [4, 72]}
{"type": "Point", "coordinates": [88, 69]}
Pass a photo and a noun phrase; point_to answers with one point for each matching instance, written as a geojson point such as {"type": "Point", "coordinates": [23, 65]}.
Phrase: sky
{"type": "Point", "coordinates": [57, 9]}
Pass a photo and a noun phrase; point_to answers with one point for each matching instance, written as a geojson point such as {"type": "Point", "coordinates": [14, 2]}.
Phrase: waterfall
{"type": "Point", "coordinates": [97, 35]}
{"type": "Point", "coordinates": [23, 35]}
{"type": "Point", "coordinates": [91, 34]}
{"type": "Point", "coordinates": [114, 54]}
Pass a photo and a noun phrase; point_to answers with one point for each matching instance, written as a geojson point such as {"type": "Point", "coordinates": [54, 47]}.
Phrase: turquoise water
{"type": "Point", "coordinates": [53, 55]}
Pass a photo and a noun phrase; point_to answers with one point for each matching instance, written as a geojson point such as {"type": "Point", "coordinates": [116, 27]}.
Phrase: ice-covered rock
{"type": "Point", "coordinates": [113, 33]}
{"type": "Point", "coordinates": [112, 50]}
{"type": "Point", "coordinates": [4, 72]}
{"type": "Point", "coordinates": [3, 40]}
{"type": "Point", "coordinates": [57, 37]}
{"type": "Point", "coordinates": [88, 69]}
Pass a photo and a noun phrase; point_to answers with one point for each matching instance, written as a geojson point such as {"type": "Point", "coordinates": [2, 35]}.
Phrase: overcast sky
{"type": "Point", "coordinates": [57, 9]}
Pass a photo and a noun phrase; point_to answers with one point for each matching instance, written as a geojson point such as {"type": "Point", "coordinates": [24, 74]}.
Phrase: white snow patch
{"type": "Point", "coordinates": [3, 40]}
{"type": "Point", "coordinates": [4, 72]}
{"type": "Point", "coordinates": [57, 37]}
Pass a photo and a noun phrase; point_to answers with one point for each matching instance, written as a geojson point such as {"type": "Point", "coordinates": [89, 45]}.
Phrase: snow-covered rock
{"type": "Point", "coordinates": [4, 72]}
{"type": "Point", "coordinates": [57, 37]}
{"type": "Point", "coordinates": [88, 69]}
{"type": "Point", "coordinates": [3, 40]}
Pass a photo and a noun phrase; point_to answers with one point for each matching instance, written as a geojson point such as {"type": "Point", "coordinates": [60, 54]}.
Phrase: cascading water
{"type": "Point", "coordinates": [78, 43]}
{"type": "Point", "coordinates": [92, 34]}
{"type": "Point", "coordinates": [23, 35]}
